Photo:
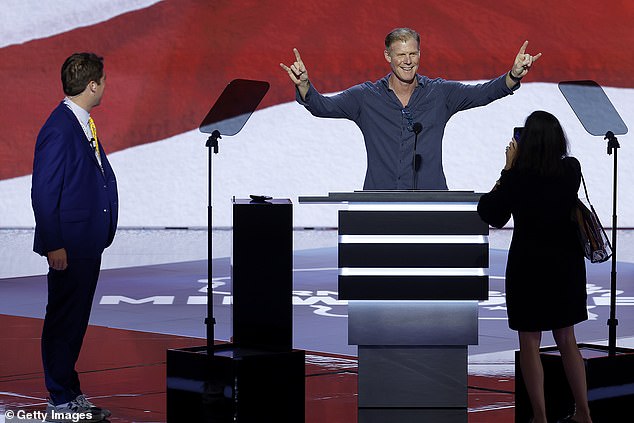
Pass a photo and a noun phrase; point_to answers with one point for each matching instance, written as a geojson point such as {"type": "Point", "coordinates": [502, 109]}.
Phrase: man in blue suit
{"type": "Point", "coordinates": [75, 202]}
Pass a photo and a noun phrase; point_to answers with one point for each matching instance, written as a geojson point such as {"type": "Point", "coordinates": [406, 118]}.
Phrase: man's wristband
{"type": "Point", "coordinates": [514, 78]}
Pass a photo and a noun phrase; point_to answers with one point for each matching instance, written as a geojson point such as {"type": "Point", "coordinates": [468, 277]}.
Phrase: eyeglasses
{"type": "Point", "coordinates": [407, 114]}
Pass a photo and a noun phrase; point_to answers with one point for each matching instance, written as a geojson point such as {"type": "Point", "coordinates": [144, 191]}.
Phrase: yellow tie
{"type": "Point", "coordinates": [93, 129]}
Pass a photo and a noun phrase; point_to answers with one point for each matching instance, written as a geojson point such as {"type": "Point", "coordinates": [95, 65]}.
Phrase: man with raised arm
{"type": "Point", "coordinates": [403, 115]}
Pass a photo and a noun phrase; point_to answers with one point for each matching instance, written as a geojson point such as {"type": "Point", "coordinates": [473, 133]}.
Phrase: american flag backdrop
{"type": "Point", "coordinates": [168, 61]}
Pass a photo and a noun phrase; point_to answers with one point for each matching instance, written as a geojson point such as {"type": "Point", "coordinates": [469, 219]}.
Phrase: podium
{"type": "Point", "coordinates": [259, 376]}
{"type": "Point", "coordinates": [412, 266]}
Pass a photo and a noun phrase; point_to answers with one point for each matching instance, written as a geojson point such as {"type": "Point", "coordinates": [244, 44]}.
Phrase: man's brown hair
{"type": "Point", "coordinates": [401, 34]}
{"type": "Point", "coordinates": [78, 70]}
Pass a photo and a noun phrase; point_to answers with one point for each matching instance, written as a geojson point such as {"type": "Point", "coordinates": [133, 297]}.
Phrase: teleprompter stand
{"type": "Point", "coordinates": [609, 370]}
{"type": "Point", "coordinates": [258, 377]}
{"type": "Point", "coordinates": [228, 116]}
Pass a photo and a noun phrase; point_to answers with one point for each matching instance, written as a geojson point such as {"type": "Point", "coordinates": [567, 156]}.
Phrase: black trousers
{"type": "Point", "coordinates": [70, 296]}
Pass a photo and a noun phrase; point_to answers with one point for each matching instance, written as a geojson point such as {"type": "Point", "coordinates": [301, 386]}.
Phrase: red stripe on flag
{"type": "Point", "coordinates": [168, 63]}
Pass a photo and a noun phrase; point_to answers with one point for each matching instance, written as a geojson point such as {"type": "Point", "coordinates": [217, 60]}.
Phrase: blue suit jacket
{"type": "Point", "coordinates": [74, 202]}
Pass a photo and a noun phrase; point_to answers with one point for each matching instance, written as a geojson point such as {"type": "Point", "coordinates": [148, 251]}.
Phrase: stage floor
{"type": "Point", "coordinates": [152, 296]}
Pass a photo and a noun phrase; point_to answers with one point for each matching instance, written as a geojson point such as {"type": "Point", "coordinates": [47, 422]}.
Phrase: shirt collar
{"type": "Point", "coordinates": [386, 81]}
{"type": "Point", "coordinates": [81, 114]}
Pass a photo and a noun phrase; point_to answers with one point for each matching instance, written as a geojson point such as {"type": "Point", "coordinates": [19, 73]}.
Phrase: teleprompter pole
{"type": "Point", "coordinates": [210, 321]}
{"type": "Point", "coordinates": [613, 146]}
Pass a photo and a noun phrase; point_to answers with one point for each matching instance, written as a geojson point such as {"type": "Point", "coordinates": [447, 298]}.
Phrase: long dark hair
{"type": "Point", "coordinates": [542, 145]}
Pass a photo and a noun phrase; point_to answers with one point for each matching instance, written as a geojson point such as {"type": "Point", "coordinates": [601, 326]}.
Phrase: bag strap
{"type": "Point", "coordinates": [595, 213]}
{"type": "Point", "coordinates": [584, 187]}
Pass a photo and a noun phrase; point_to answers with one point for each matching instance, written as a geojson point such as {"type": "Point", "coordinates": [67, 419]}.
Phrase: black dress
{"type": "Point", "coordinates": [545, 271]}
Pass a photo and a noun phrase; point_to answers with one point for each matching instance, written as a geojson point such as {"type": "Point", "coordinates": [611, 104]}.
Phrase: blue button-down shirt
{"type": "Point", "coordinates": [387, 126]}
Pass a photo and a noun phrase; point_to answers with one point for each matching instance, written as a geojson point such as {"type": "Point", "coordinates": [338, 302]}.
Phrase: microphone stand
{"type": "Point", "coordinates": [416, 127]}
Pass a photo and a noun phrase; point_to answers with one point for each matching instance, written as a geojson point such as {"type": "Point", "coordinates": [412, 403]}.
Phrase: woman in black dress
{"type": "Point", "coordinates": [545, 271]}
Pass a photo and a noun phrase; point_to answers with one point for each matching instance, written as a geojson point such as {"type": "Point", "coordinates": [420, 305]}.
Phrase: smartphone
{"type": "Point", "coordinates": [517, 133]}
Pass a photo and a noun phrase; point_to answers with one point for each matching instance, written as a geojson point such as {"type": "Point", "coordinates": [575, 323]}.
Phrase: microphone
{"type": "Point", "coordinates": [416, 158]}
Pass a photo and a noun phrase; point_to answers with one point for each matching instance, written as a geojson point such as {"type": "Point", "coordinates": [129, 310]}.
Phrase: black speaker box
{"type": "Point", "coordinates": [610, 380]}
{"type": "Point", "coordinates": [236, 385]}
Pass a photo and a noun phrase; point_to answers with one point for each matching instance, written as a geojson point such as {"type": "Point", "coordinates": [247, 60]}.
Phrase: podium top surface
{"type": "Point", "coordinates": [395, 196]}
